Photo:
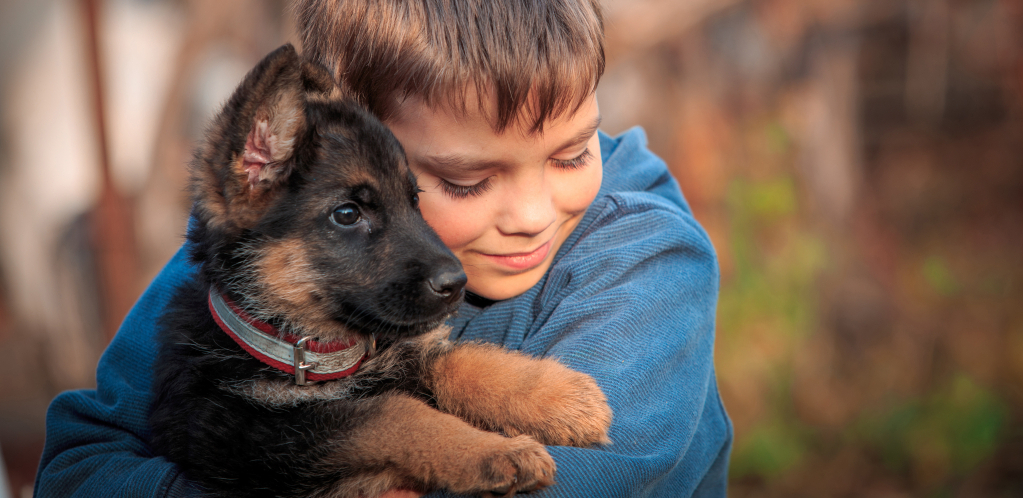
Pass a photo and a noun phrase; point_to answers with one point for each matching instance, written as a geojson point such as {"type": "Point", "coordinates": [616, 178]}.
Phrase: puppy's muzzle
{"type": "Point", "coordinates": [448, 284]}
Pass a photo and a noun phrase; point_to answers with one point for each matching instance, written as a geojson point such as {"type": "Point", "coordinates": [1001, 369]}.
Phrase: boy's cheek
{"type": "Point", "coordinates": [585, 190]}
{"type": "Point", "coordinates": [456, 227]}
{"type": "Point", "coordinates": [578, 189]}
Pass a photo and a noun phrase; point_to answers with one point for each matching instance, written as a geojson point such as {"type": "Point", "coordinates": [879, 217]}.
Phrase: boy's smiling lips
{"type": "Point", "coordinates": [521, 261]}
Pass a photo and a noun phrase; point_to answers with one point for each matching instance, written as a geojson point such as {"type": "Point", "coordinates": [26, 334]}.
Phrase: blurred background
{"type": "Point", "coordinates": [857, 163]}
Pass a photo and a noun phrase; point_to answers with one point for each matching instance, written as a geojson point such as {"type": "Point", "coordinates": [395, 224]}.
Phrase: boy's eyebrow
{"type": "Point", "coordinates": [456, 162]}
{"type": "Point", "coordinates": [583, 135]}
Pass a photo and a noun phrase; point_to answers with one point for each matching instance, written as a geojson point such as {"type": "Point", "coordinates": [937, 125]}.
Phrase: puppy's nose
{"type": "Point", "coordinates": [448, 284]}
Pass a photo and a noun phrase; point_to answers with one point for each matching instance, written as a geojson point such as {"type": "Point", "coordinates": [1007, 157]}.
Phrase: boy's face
{"type": "Point", "coordinates": [503, 203]}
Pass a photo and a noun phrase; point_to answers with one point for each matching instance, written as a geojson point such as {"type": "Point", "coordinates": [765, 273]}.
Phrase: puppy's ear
{"type": "Point", "coordinates": [282, 84]}
{"type": "Point", "coordinates": [276, 116]}
{"type": "Point", "coordinates": [249, 151]}
{"type": "Point", "coordinates": [318, 80]}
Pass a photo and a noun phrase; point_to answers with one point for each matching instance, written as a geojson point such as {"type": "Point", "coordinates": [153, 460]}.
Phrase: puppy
{"type": "Point", "coordinates": [306, 358]}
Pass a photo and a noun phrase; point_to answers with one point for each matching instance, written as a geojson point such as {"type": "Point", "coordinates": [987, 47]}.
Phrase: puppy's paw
{"type": "Point", "coordinates": [517, 465]}
{"type": "Point", "coordinates": [514, 394]}
{"type": "Point", "coordinates": [573, 412]}
{"type": "Point", "coordinates": [522, 465]}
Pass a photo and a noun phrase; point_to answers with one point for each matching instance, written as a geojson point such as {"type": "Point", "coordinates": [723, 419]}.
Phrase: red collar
{"type": "Point", "coordinates": [302, 357]}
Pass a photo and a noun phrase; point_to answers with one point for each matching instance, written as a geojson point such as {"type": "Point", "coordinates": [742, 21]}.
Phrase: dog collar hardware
{"type": "Point", "coordinates": [305, 358]}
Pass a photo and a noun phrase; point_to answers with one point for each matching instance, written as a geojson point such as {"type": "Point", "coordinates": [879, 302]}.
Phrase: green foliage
{"type": "Point", "coordinates": [954, 428]}
{"type": "Point", "coordinates": [766, 311]}
{"type": "Point", "coordinates": [938, 275]}
{"type": "Point", "coordinates": [776, 264]}
{"type": "Point", "coordinates": [769, 449]}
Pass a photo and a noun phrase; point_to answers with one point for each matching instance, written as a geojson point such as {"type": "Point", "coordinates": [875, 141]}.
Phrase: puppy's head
{"type": "Point", "coordinates": [305, 212]}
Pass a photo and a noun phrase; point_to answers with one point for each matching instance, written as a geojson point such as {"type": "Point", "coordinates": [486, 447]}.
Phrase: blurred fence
{"type": "Point", "coordinates": [858, 165]}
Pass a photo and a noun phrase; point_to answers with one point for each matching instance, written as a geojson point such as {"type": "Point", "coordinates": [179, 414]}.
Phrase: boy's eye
{"type": "Point", "coordinates": [574, 163]}
{"type": "Point", "coordinates": [465, 191]}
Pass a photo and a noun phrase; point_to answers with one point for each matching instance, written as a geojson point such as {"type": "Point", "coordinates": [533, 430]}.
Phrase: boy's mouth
{"type": "Point", "coordinates": [523, 260]}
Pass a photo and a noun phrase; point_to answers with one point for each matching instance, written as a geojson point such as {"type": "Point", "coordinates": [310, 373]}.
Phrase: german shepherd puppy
{"type": "Point", "coordinates": [306, 358]}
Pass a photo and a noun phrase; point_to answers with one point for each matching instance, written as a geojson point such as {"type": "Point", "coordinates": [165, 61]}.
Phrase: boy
{"type": "Point", "coordinates": [576, 245]}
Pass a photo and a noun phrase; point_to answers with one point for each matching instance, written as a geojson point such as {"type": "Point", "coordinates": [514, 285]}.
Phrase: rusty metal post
{"type": "Point", "coordinates": [112, 221]}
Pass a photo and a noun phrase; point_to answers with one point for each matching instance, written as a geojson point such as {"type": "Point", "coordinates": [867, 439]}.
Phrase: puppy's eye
{"type": "Point", "coordinates": [415, 199]}
{"type": "Point", "coordinates": [346, 214]}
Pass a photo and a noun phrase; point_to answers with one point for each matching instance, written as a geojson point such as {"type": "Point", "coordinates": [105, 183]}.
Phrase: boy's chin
{"type": "Point", "coordinates": [498, 287]}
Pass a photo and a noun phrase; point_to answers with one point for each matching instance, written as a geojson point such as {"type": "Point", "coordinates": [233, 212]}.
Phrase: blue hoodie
{"type": "Point", "coordinates": [630, 299]}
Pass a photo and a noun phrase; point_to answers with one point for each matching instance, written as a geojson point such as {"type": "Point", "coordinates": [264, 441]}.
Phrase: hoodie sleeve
{"type": "Point", "coordinates": [636, 310]}
{"type": "Point", "coordinates": [97, 440]}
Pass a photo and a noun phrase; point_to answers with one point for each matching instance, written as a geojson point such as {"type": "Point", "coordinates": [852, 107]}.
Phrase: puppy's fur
{"type": "Point", "coordinates": [287, 153]}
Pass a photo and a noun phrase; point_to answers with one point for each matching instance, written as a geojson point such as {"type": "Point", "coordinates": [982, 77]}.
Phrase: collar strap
{"type": "Point", "coordinates": [302, 357]}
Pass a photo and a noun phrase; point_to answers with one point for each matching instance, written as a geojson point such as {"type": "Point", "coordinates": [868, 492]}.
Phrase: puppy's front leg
{"type": "Point", "coordinates": [505, 391]}
{"type": "Point", "coordinates": [408, 444]}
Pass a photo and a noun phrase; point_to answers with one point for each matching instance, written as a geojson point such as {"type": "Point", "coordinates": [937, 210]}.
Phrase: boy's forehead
{"type": "Point", "coordinates": [467, 108]}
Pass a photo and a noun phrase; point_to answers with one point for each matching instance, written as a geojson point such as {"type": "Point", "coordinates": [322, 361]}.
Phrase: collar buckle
{"type": "Point", "coordinates": [298, 355]}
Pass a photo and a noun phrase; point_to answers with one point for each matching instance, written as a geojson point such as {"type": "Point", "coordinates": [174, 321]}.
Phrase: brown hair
{"type": "Point", "coordinates": [536, 58]}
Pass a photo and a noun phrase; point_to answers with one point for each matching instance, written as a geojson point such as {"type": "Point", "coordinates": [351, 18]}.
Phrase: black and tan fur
{"type": "Point", "coordinates": [285, 152]}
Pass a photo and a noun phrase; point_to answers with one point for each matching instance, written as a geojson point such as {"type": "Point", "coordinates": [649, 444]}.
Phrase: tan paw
{"type": "Point", "coordinates": [519, 464]}
{"type": "Point", "coordinates": [514, 394]}
{"type": "Point", "coordinates": [568, 410]}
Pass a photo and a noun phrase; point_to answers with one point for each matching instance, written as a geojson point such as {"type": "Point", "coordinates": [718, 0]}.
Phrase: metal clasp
{"type": "Point", "coordinates": [298, 356]}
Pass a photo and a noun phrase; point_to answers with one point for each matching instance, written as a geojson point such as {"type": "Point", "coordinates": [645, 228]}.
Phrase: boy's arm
{"type": "Point", "coordinates": [97, 440]}
{"type": "Point", "coordinates": [642, 324]}
{"type": "Point", "coordinates": [637, 312]}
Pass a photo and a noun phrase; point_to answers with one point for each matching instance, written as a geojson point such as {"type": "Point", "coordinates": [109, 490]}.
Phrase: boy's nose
{"type": "Point", "coordinates": [528, 211]}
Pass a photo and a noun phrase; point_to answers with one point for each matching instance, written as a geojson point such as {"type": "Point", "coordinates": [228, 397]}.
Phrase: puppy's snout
{"type": "Point", "coordinates": [448, 283]}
